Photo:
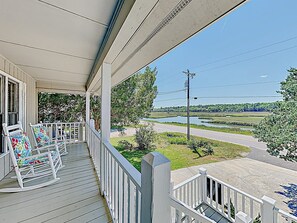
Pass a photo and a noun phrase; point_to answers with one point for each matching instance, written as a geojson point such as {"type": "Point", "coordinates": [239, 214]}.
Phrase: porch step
{"type": "Point", "coordinates": [211, 213]}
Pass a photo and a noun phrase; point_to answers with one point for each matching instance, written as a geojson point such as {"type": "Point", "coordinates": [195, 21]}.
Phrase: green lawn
{"type": "Point", "coordinates": [180, 155]}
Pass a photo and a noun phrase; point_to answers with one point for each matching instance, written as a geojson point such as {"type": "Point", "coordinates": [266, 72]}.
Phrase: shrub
{"type": "Point", "coordinates": [178, 141]}
{"type": "Point", "coordinates": [194, 145]}
{"type": "Point", "coordinates": [125, 145]}
{"type": "Point", "coordinates": [174, 135]}
{"type": "Point", "coordinates": [145, 137]}
{"type": "Point", "coordinates": [208, 150]}
{"type": "Point", "coordinates": [197, 144]}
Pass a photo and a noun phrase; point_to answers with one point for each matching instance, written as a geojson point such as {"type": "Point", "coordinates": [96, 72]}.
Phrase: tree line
{"type": "Point", "coordinates": [244, 107]}
{"type": "Point", "coordinates": [130, 101]}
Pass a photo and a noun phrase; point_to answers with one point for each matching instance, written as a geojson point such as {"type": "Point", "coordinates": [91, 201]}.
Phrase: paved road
{"type": "Point", "coordinates": [258, 149]}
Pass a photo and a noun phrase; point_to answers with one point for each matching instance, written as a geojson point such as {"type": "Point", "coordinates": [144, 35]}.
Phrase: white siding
{"type": "Point", "coordinates": [31, 103]}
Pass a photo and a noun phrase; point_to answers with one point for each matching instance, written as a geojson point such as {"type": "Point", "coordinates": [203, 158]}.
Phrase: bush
{"type": "Point", "coordinates": [208, 150]}
{"type": "Point", "coordinates": [174, 135]}
{"type": "Point", "coordinates": [125, 145]}
{"type": "Point", "coordinates": [194, 145]}
{"type": "Point", "coordinates": [145, 137]}
{"type": "Point", "coordinates": [197, 144]}
{"type": "Point", "coordinates": [178, 141]}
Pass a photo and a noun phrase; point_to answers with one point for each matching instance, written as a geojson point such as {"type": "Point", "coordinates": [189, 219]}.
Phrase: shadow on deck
{"type": "Point", "coordinates": [74, 198]}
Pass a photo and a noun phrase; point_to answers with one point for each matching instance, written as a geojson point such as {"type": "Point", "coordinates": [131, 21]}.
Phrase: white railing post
{"type": "Point", "coordinates": [203, 173]}
{"type": "Point", "coordinates": [268, 209]}
{"type": "Point", "coordinates": [155, 188]}
{"type": "Point", "coordinates": [88, 107]}
{"type": "Point", "coordinates": [105, 120]}
{"type": "Point", "coordinates": [242, 218]}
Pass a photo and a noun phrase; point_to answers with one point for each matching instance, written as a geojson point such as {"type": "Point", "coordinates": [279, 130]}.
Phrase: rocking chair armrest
{"type": "Point", "coordinates": [37, 155]}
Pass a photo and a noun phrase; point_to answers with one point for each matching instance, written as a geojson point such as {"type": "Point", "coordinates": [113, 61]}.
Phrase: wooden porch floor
{"type": "Point", "coordinates": [74, 198]}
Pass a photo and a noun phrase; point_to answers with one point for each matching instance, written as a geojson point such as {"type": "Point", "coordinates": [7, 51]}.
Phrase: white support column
{"type": "Point", "coordinates": [88, 107]}
{"type": "Point", "coordinates": [242, 218]}
{"type": "Point", "coordinates": [203, 173]}
{"type": "Point", "coordinates": [267, 209]}
{"type": "Point", "coordinates": [105, 119]}
{"type": "Point", "coordinates": [105, 101]}
{"type": "Point", "coordinates": [155, 188]}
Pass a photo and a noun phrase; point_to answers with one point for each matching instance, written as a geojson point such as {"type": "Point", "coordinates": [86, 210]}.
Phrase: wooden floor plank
{"type": "Point", "coordinates": [89, 216]}
{"type": "Point", "coordinates": [75, 198]}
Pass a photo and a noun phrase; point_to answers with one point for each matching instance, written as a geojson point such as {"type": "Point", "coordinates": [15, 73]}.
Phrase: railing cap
{"type": "Point", "coordinates": [202, 171]}
{"type": "Point", "coordinates": [155, 159]}
{"type": "Point", "coordinates": [268, 200]}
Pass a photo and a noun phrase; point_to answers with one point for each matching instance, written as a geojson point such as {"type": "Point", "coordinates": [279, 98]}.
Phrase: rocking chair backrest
{"type": "Point", "coordinates": [18, 143]}
{"type": "Point", "coordinates": [40, 135]}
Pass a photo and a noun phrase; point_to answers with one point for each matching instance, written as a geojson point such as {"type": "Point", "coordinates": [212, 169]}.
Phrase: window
{"type": "Point", "coordinates": [10, 105]}
{"type": "Point", "coordinates": [13, 103]}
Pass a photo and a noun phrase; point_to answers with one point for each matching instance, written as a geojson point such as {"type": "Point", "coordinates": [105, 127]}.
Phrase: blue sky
{"type": "Point", "coordinates": [217, 56]}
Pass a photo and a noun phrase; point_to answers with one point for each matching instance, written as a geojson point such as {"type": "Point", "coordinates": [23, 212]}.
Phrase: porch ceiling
{"type": "Point", "coordinates": [62, 45]}
{"type": "Point", "coordinates": [54, 41]}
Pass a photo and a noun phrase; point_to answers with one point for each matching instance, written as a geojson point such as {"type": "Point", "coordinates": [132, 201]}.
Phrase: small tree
{"type": "Point", "coordinates": [194, 145]}
{"type": "Point", "coordinates": [145, 137]}
{"type": "Point", "coordinates": [197, 144]}
{"type": "Point", "coordinates": [208, 150]}
{"type": "Point", "coordinates": [279, 129]}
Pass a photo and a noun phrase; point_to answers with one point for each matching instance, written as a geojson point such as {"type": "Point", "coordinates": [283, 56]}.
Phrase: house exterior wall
{"type": "Point", "coordinates": [30, 105]}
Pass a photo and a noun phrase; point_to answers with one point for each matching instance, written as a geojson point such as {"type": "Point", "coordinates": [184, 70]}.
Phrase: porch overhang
{"type": "Point", "coordinates": [152, 28]}
{"type": "Point", "coordinates": [62, 44]}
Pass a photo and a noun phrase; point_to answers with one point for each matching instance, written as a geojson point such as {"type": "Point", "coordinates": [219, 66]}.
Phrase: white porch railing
{"type": "Point", "coordinates": [184, 213]}
{"type": "Point", "coordinates": [120, 182]}
{"type": "Point", "coordinates": [226, 197]}
{"type": "Point", "coordinates": [228, 200]}
{"type": "Point", "coordinates": [72, 131]}
{"type": "Point", "coordinates": [282, 216]}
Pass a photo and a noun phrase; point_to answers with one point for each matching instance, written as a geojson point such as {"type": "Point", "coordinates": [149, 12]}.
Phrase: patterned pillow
{"type": "Point", "coordinates": [21, 147]}
{"type": "Point", "coordinates": [41, 136]}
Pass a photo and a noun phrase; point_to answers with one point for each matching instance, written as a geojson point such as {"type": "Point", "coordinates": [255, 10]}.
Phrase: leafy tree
{"type": "Point", "coordinates": [130, 101]}
{"type": "Point", "coordinates": [279, 130]}
{"type": "Point", "coordinates": [60, 107]}
{"type": "Point", "coordinates": [133, 99]}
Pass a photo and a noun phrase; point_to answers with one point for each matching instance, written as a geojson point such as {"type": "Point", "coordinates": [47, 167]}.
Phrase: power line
{"type": "Point", "coordinates": [218, 97]}
{"type": "Point", "coordinates": [248, 51]}
{"type": "Point", "coordinates": [170, 92]}
{"type": "Point", "coordinates": [243, 53]}
{"type": "Point", "coordinates": [171, 99]}
{"type": "Point", "coordinates": [249, 59]}
{"type": "Point", "coordinates": [251, 96]}
{"type": "Point", "coordinates": [243, 84]}
{"type": "Point", "coordinates": [218, 86]}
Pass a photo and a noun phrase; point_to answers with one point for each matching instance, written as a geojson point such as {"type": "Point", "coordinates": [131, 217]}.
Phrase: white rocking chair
{"type": "Point", "coordinates": [41, 138]}
{"type": "Point", "coordinates": [29, 167]}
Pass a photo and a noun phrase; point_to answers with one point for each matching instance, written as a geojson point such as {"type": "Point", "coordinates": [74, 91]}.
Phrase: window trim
{"type": "Point", "coordinates": [22, 100]}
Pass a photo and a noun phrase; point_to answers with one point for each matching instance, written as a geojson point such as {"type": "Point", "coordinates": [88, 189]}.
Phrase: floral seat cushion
{"type": "Point", "coordinates": [40, 159]}
{"type": "Point", "coordinates": [22, 149]}
{"type": "Point", "coordinates": [40, 134]}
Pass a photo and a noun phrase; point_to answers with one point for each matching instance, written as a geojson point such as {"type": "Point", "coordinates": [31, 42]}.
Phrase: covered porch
{"type": "Point", "coordinates": [66, 47]}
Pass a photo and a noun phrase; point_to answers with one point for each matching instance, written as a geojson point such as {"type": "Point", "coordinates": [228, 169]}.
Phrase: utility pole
{"type": "Point", "coordinates": [189, 76]}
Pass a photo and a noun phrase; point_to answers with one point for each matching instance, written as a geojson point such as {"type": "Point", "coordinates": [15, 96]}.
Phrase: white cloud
{"type": "Point", "coordinates": [264, 76]}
